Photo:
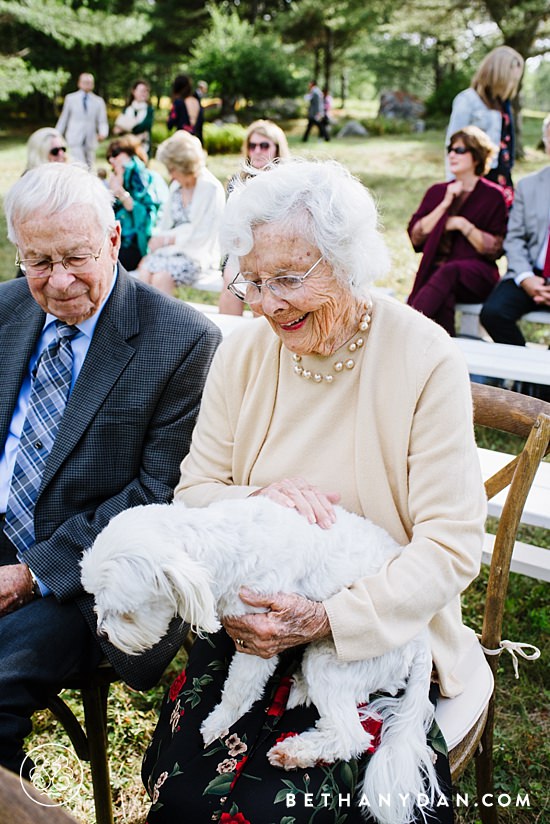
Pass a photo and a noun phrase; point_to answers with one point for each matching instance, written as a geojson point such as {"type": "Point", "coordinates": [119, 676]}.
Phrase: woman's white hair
{"type": "Point", "coordinates": [319, 201]}
{"type": "Point", "coordinates": [53, 188]}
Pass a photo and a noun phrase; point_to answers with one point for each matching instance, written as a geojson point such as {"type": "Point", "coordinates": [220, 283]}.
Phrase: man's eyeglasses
{"type": "Point", "coordinates": [43, 267]}
{"type": "Point", "coordinates": [264, 146]}
{"type": "Point", "coordinates": [57, 149]}
{"type": "Point", "coordinates": [459, 150]}
{"type": "Point", "coordinates": [281, 286]}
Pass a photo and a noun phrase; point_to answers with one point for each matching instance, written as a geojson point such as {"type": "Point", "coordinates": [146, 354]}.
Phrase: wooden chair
{"type": "Point", "coordinates": [90, 741]}
{"type": "Point", "coordinates": [529, 418]}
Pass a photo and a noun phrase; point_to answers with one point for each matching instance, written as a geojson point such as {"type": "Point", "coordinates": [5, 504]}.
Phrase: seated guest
{"type": "Point", "coordinates": [101, 383]}
{"type": "Point", "coordinates": [45, 145]}
{"type": "Point", "coordinates": [185, 242]}
{"type": "Point", "coordinates": [264, 143]}
{"type": "Point", "coordinates": [333, 395]}
{"type": "Point", "coordinates": [526, 285]}
{"type": "Point", "coordinates": [137, 201]}
{"type": "Point", "coordinates": [459, 228]}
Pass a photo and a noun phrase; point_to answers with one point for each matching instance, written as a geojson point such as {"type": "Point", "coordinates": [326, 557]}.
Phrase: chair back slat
{"type": "Point", "coordinates": [506, 411]}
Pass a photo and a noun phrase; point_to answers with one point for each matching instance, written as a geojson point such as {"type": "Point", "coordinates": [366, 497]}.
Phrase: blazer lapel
{"type": "Point", "coordinates": [107, 357]}
{"type": "Point", "coordinates": [18, 338]}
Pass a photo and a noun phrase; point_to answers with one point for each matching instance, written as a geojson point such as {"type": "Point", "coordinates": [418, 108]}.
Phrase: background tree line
{"type": "Point", "coordinates": [260, 49]}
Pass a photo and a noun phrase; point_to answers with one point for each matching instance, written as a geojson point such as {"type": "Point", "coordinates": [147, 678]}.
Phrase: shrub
{"type": "Point", "coordinates": [226, 139]}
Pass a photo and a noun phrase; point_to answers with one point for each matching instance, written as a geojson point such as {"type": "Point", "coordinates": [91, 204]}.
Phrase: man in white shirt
{"type": "Point", "coordinates": [83, 121]}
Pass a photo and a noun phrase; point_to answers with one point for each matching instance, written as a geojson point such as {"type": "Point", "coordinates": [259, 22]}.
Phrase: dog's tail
{"type": "Point", "coordinates": [400, 778]}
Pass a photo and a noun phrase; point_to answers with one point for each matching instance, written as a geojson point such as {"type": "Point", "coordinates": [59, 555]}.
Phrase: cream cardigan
{"type": "Point", "coordinates": [416, 465]}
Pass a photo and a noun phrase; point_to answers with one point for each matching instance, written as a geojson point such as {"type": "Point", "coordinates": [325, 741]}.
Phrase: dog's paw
{"type": "Point", "coordinates": [214, 726]}
{"type": "Point", "coordinates": [290, 754]}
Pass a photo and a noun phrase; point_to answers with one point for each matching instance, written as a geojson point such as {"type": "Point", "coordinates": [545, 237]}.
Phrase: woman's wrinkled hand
{"type": "Point", "coordinates": [290, 620]}
{"type": "Point", "coordinates": [305, 498]}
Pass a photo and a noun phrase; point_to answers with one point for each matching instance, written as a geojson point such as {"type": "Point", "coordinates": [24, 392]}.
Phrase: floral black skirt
{"type": "Point", "coordinates": [231, 780]}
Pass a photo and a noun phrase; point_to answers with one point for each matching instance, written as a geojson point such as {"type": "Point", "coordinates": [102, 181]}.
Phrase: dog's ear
{"type": "Point", "coordinates": [191, 592]}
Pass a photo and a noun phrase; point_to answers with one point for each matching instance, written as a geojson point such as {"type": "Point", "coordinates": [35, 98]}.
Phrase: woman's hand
{"type": "Point", "coordinates": [157, 242]}
{"type": "Point", "coordinates": [290, 620]}
{"type": "Point", "coordinates": [305, 498]}
{"type": "Point", "coordinates": [454, 189]}
{"type": "Point", "coordinates": [459, 224]}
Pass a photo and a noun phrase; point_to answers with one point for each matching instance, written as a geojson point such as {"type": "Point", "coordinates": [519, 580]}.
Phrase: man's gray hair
{"type": "Point", "coordinates": [53, 188]}
{"type": "Point", "coordinates": [319, 201]}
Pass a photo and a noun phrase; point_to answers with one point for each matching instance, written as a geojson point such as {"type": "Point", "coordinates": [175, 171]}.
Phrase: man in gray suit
{"type": "Point", "coordinates": [135, 367]}
{"type": "Point", "coordinates": [83, 121]}
{"type": "Point", "coordinates": [526, 285]}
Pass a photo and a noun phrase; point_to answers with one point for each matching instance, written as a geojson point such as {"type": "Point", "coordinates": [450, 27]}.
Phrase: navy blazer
{"type": "Point", "coordinates": [125, 430]}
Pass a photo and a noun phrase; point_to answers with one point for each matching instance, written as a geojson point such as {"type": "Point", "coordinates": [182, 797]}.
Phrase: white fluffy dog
{"type": "Point", "coordinates": [154, 562]}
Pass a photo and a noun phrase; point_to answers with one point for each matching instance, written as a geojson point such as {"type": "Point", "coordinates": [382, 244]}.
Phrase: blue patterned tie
{"type": "Point", "coordinates": [50, 390]}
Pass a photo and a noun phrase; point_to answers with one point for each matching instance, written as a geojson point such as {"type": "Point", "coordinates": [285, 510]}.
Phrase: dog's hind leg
{"type": "Point", "coordinates": [245, 682]}
{"type": "Point", "coordinates": [338, 733]}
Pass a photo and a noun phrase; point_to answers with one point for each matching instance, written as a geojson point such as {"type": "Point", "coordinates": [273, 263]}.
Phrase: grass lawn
{"type": "Point", "coordinates": [397, 170]}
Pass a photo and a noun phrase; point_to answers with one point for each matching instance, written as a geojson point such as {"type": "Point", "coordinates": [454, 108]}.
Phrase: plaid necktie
{"type": "Point", "coordinates": [50, 390]}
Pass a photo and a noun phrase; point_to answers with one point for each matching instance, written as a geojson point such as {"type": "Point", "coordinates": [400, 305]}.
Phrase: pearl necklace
{"type": "Point", "coordinates": [340, 365]}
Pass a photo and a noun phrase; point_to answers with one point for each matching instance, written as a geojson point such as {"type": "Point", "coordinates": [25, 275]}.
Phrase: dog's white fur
{"type": "Point", "coordinates": [154, 562]}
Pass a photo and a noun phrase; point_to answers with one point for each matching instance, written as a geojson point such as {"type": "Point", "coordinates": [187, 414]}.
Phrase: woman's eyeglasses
{"type": "Point", "coordinates": [459, 150]}
{"type": "Point", "coordinates": [264, 146]}
{"type": "Point", "coordinates": [115, 153]}
{"type": "Point", "coordinates": [282, 286]}
{"type": "Point", "coordinates": [56, 149]}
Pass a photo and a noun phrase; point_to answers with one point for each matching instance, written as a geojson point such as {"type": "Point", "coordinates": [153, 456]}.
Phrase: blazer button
{"type": "Point", "coordinates": [38, 445]}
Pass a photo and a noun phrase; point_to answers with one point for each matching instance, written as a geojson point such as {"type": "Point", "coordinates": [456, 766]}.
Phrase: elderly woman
{"type": "Point", "coordinates": [459, 227]}
{"type": "Point", "coordinates": [333, 395]}
{"type": "Point", "coordinates": [185, 242]}
{"type": "Point", "coordinates": [264, 143]}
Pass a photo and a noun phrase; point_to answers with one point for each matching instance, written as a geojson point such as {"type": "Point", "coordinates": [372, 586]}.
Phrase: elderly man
{"type": "Point", "coordinates": [83, 121]}
{"type": "Point", "coordinates": [102, 379]}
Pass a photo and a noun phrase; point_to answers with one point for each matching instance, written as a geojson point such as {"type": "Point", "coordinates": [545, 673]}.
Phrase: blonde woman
{"type": "Point", "coordinates": [185, 242]}
{"type": "Point", "coordinates": [487, 104]}
{"type": "Point", "coordinates": [45, 145]}
{"type": "Point", "coordinates": [264, 143]}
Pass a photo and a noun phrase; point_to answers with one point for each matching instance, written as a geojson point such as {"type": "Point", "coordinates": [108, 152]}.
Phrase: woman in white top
{"type": "Point", "coordinates": [185, 242]}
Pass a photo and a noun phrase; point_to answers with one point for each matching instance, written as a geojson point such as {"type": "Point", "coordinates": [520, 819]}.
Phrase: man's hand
{"type": "Point", "coordinates": [290, 620]}
{"type": "Point", "coordinates": [538, 288]}
{"type": "Point", "coordinates": [16, 587]}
